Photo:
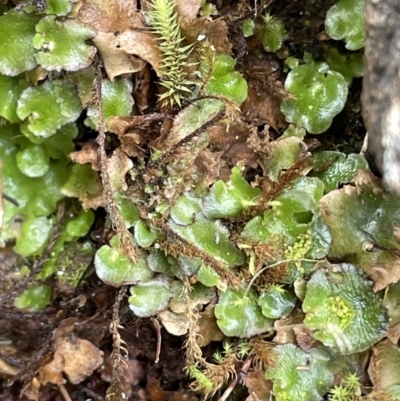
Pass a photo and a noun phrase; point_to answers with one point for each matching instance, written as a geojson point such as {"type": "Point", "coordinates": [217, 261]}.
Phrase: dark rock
{"type": "Point", "coordinates": [381, 87]}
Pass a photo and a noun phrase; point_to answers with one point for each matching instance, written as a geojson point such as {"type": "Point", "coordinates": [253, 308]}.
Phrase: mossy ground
{"type": "Point", "coordinates": [234, 154]}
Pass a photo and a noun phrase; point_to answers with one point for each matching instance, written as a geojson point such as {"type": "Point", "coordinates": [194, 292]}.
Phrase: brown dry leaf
{"type": "Point", "coordinates": [118, 165]}
{"type": "Point", "coordinates": [31, 390]}
{"type": "Point", "coordinates": [65, 327]}
{"type": "Point", "coordinates": [116, 61]}
{"type": "Point", "coordinates": [142, 85]}
{"type": "Point", "coordinates": [80, 357]}
{"type": "Point", "coordinates": [176, 324]}
{"type": "Point", "coordinates": [76, 357]}
{"type": "Point", "coordinates": [384, 367]}
{"type": "Point", "coordinates": [7, 369]}
{"type": "Point", "coordinates": [135, 131]}
{"type": "Point", "coordinates": [394, 333]}
{"type": "Point", "coordinates": [118, 37]}
{"type": "Point", "coordinates": [207, 328]}
{"type": "Point", "coordinates": [108, 15]}
{"type": "Point", "coordinates": [53, 371]}
{"type": "Point", "coordinates": [95, 202]}
{"type": "Point", "coordinates": [142, 44]}
{"type": "Point", "coordinates": [187, 10]}
{"type": "Point", "coordinates": [130, 144]}
{"type": "Point", "coordinates": [233, 141]}
{"type": "Point", "coordinates": [262, 107]}
{"type": "Point", "coordinates": [78, 301]}
{"type": "Point", "coordinates": [216, 33]}
{"type": "Point", "coordinates": [304, 338]}
{"type": "Point", "coordinates": [257, 384]}
{"type": "Point", "coordinates": [122, 125]}
{"type": "Point", "coordinates": [88, 154]}
{"type": "Point", "coordinates": [121, 32]}
{"type": "Point", "coordinates": [209, 165]}
{"type": "Point", "coordinates": [283, 336]}
{"type": "Point", "coordinates": [186, 123]}
{"type": "Point", "coordinates": [259, 141]}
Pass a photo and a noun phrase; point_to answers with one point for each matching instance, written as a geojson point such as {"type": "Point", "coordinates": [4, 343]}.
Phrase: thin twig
{"type": "Point", "coordinates": [10, 199]}
{"type": "Point", "coordinates": [158, 330]}
{"type": "Point", "coordinates": [188, 249]}
{"type": "Point", "coordinates": [116, 390]}
{"type": "Point", "coordinates": [124, 236]}
{"type": "Point", "coordinates": [29, 370]}
{"type": "Point", "coordinates": [91, 393]}
{"type": "Point", "coordinates": [231, 387]}
{"type": "Point", "coordinates": [117, 341]}
{"type": "Point", "coordinates": [64, 392]}
{"type": "Point", "coordinates": [275, 265]}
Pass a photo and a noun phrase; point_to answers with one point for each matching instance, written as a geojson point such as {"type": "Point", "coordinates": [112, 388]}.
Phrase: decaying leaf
{"type": "Point", "coordinates": [109, 15]}
{"type": "Point", "coordinates": [175, 323]}
{"type": "Point", "coordinates": [75, 357]}
{"type": "Point", "coordinates": [215, 31]}
{"type": "Point", "coordinates": [87, 155]}
{"type": "Point", "coordinates": [116, 61]}
{"type": "Point", "coordinates": [384, 365]}
{"type": "Point", "coordinates": [187, 10]}
{"type": "Point", "coordinates": [118, 166]}
{"type": "Point", "coordinates": [142, 44]}
{"type": "Point", "coordinates": [7, 349]}
{"type": "Point", "coordinates": [368, 237]}
{"type": "Point", "coordinates": [208, 329]}
{"type": "Point", "coordinates": [191, 119]}
{"type": "Point", "coordinates": [83, 183]}
{"type": "Point", "coordinates": [258, 385]}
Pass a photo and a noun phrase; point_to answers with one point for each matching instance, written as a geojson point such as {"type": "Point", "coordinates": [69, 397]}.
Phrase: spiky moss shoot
{"type": "Point", "coordinates": [274, 33]}
{"type": "Point", "coordinates": [277, 287]}
{"type": "Point", "coordinates": [348, 390]}
{"type": "Point", "coordinates": [339, 393]}
{"type": "Point", "coordinates": [202, 380]}
{"type": "Point", "coordinates": [174, 56]}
